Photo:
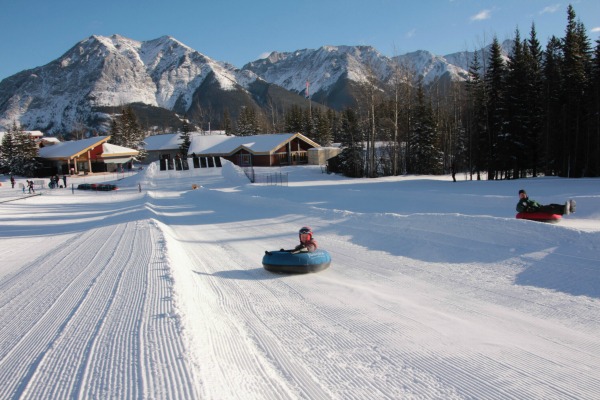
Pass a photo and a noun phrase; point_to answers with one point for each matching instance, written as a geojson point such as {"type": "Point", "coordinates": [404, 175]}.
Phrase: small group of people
{"type": "Point", "coordinates": [55, 181]}
{"type": "Point", "coordinates": [29, 184]}
{"type": "Point", "coordinates": [527, 205]}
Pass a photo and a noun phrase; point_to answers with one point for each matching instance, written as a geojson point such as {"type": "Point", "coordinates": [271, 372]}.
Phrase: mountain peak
{"type": "Point", "coordinates": [111, 71]}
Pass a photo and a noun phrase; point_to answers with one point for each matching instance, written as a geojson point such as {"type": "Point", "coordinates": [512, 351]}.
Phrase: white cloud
{"type": "Point", "coordinates": [411, 33]}
{"type": "Point", "coordinates": [482, 15]}
{"type": "Point", "coordinates": [550, 9]}
{"type": "Point", "coordinates": [596, 29]}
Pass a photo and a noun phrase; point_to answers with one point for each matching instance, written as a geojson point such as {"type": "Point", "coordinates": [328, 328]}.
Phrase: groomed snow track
{"type": "Point", "coordinates": [96, 323]}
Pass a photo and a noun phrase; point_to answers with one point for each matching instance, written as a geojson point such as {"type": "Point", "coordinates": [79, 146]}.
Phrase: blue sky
{"type": "Point", "coordinates": [37, 32]}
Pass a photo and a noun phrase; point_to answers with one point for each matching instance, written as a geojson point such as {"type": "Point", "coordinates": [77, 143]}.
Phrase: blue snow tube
{"type": "Point", "coordinates": [300, 263]}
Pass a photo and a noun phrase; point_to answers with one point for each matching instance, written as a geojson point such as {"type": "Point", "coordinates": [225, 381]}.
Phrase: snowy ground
{"type": "Point", "coordinates": [435, 290]}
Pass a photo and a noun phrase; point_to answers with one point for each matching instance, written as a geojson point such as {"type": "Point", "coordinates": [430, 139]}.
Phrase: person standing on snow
{"type": "Point", "coordinates": [30, 186]}
{"type": "Point", "coordinates": [526, 205]}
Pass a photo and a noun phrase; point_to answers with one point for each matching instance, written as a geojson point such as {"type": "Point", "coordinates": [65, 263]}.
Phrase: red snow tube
{"type": "Point", "coordinates": [540, 217]}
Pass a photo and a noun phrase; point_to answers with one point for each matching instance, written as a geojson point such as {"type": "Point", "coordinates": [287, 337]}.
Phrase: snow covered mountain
{"type": "Point", "coordinates": [164, 77]}
{"type": "Point", "coordinates": [328, 71]}
{"type": "Point", "coordinates": [102, 72]}
{"type": "Point", "coordinates": [333, 72]}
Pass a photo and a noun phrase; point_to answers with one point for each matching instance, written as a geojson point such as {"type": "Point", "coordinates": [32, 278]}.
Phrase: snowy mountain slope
{"type": "Point", "coordinates": [435, 290]}
{"type": "Point", "coordinates": [331, 67]}
{"type": "Point", "coordinates": [112, 71]}
{"type": "Point", "coordinates": [322, 68]}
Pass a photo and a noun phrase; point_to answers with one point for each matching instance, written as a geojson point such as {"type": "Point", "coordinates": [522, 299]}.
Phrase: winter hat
{"type": "Point", "coordinates": [522, 191]}
{"type": "Point", "coordinates": [306, 230]}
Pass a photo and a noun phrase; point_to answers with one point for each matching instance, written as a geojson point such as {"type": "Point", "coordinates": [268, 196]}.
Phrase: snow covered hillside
{"type": "Point", "coordinates": [435, 290]}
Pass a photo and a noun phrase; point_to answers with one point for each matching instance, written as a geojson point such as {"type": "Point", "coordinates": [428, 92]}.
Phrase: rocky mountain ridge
{"type": "Point", "coordinates": [80, 89]}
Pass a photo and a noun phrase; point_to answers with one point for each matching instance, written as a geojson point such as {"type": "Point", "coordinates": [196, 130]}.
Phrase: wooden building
{"type": "Point", "coordinates": [84, 156]}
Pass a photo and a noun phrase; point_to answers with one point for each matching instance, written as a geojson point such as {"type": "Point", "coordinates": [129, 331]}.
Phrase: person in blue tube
{"type": "Point", "coordinates": [307, 243]}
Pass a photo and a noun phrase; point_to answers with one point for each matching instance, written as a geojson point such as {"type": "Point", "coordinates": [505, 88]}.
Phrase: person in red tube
{"type": "Point", "coordinates": [526, 205]}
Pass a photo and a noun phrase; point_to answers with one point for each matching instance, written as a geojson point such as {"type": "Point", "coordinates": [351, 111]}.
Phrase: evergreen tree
{"type": "Point", "coordinates": [308, 123]}
{"type": "Point", "coordinates": [553, 139]}
{"type": "Point", "coordinates": [426, 155]}
{"type": "Point", "coordinates": [323, 130]}
{"type": "Point", "coordinates": [351, 159]}
{"type": "Point", "coordinates": [116, 136]}
{"type": "Point", "coordinates": [185, 138]}
{"type": "Point", "coordinates": [576, 64]}
{"type": "Point", "coordinates": [27, 153]}
{"type": "Point", "coordinates": [19, 152]}
{"type": "Point", "coordinates": [477, 125]}
{"type": "Point", "coordinates": [247, 123]}
{"type": "Point", "coordinates": [534, 100]}
{"type": "Point", "coordinates": [8, 150]}
{"type": "Point", "coordinates": [494, 82]}
{"type": "Point", "coordinates": [594, 123]}
{"type": "Point", "coordinates": [294, 119]}
{"type": "Point", "coordinates": [227, 127]}
{"type": "Point", "coordinates": [126, 131]}
{"type": "Point", "coordinates": [515, 140]}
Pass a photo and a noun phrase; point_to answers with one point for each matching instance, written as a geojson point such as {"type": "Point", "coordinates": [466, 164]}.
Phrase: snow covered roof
{"type": "Point", "coordinates": [72, 149]}
{"type": "Point", "coordinates": [112, 150]}
{"type": "Point", "coordinates": [35, 134]}
{"type": "Point", "coordinates": [169, 141]}
{"type": "Point", "coordinates": [223, 145]}
{"type": "Point", "coordinates": [256, 144]}
{"type": "Point", "coordinates": [172, 141]}
{"type": "Point", "coordinates": [50, 140]}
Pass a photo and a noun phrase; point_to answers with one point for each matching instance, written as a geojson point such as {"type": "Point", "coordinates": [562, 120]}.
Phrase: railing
{"type": "Point", "coordinates": [295, 157]}
{"type": "Point", "coordinates": [270, 179]}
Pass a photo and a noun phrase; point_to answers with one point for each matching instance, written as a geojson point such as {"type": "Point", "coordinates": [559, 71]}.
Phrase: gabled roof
{"type": "Point", "coordinates": [168, 141]}
{"type": "Point", "coordinates": [172, 141]}
{"type": "Point", "coordinates": [64, 150]}
{"type": "Point", "coordinates": [112, 150]}
{"type": "Point", "coordinates": [256, 144]}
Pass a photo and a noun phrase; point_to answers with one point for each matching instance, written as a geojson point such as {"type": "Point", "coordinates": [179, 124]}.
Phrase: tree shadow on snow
{"type": "Point", "coordinates": [563, 273]}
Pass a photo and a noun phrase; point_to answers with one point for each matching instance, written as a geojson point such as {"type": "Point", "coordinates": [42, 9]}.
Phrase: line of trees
{"type": "Point", "coordinates": [537, 112]}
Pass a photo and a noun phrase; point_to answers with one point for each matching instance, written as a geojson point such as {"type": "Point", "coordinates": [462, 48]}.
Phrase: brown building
{"type": "Point", "coordinates": [257, 150]}
{"type": "Point", "coordinates": [88, 155]}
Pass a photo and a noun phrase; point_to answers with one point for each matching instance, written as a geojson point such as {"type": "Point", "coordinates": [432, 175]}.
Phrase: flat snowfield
{"type": "Point", "coordinates": [435, 290]}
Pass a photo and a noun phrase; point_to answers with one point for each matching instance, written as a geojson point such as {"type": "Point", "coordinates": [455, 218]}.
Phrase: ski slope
{"type": "Point", "coordinates": [435, 290]}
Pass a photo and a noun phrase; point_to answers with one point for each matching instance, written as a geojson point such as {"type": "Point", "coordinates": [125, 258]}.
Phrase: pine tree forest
{"type": "Point", "coordinates": [536, 112]}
